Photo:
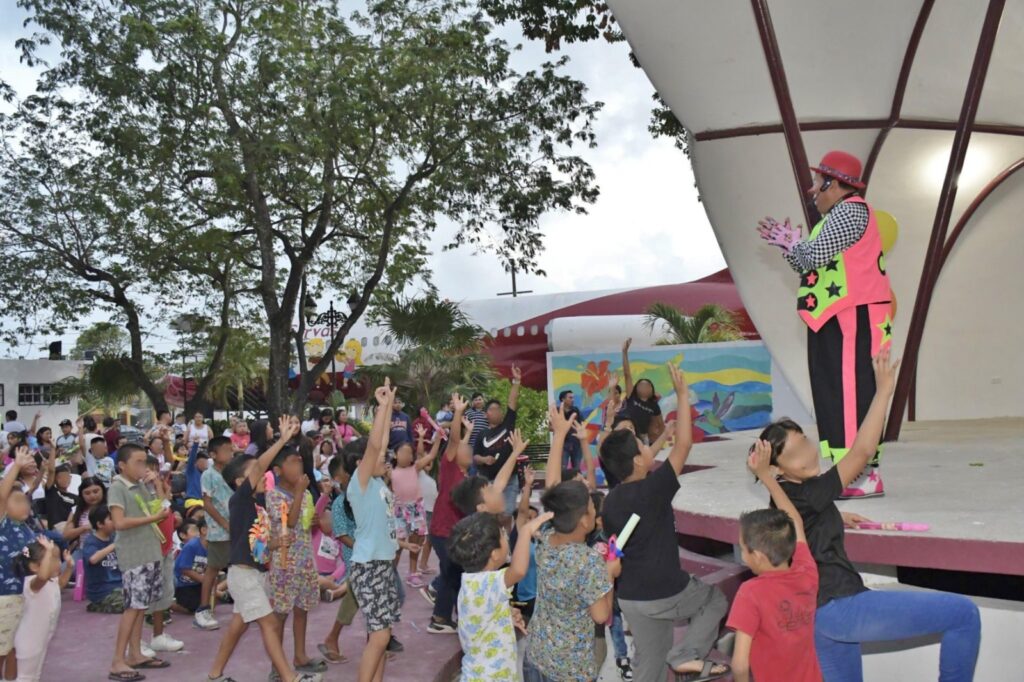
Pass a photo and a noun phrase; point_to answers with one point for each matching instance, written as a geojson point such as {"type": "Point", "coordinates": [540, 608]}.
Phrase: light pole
{"type": "Point", "coordinates": [332, 319]}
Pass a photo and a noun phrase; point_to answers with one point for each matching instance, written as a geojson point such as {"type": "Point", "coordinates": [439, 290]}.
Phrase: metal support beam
{"type": "Point", "coordinates": [790, 127]}
{"type": "Point", "coordinates": [901, 87]}
{"type": "Point", "coordinates": [947, 196]}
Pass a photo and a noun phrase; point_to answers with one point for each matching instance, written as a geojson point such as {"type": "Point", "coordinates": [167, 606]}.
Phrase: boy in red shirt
{"type": "Point", "coordinates": [773, 614]}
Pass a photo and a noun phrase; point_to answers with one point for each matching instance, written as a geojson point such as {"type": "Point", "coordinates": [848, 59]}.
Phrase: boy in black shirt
{"type": "Point", "coordinates": [493, 446]}
{"type": "Point", "coordinates": [654, 591]}
{"type": "Point", "coordinates": [249, 559]}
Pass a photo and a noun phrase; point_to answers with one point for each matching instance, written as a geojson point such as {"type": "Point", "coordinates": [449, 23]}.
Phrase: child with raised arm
{"type": "Point", "coordinates": [486, 629]}
{"type": "Point", "coordinates": [251, 547]}
{"type": "Point", "coordinates": [15, 533]}
{"type": "Point", "coordinates": [773, 614]}
{"type": "Point", "coordinates": [372, 573]}
{"type": "Point", "coordinates": [654, 591]}
{"type": "Point", "coordinates": [39, 565]}
{"type": "Point", "coordinates": [848, 612]}
{"type": "Point", "coordinates": [410, 516]}
{"type": "Point", "coordinates": [452, 470]}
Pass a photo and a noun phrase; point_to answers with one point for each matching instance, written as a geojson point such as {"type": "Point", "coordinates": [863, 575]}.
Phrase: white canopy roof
{"type": "Point", "coordinates": [852, 70]}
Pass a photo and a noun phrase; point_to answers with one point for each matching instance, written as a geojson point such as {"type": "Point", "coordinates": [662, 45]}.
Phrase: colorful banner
{"type": "Point", "coordinates": [730, 383]}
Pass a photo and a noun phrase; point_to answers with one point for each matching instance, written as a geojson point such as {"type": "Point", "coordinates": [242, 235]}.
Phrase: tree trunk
{"type": "Point", "coordinates": [277, 379]}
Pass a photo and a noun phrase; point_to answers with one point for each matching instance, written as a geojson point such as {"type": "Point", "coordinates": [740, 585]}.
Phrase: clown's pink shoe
{"type": "Point", "coordinates": [868, 484]}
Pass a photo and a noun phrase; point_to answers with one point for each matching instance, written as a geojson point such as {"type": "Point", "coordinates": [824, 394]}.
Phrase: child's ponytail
{"type": "Point", "coordinates": [29, 554]}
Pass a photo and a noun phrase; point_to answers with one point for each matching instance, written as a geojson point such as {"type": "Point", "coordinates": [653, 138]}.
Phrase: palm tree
{"type": "Point", "coordinates": [243, 364]}
{"type": "Point", "coordinates": [710, 324]}
{"type": "Point", "coordinates": [440, 351]}
{"type": "Point", "coordinates": [106, 384]}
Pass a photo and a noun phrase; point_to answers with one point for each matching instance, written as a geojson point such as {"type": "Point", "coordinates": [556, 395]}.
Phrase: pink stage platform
{"type": "Point", "coordinates": [963, 478]}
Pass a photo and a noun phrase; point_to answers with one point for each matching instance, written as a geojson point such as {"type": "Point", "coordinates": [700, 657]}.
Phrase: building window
{"type": "Point", "coordinates": [37, 394]}
{"type": "Point", "coordinates": [1, 394]}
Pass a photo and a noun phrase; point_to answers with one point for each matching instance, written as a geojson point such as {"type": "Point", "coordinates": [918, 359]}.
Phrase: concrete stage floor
{"type": "Point", "coordinates": [964, 478]}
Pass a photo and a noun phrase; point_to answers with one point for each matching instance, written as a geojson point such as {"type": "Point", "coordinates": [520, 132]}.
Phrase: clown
{"type": "Point", "coordinates": [844, 298]}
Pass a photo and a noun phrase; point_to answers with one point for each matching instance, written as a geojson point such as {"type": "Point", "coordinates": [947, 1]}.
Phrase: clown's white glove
{"type": "Point", "coordinates": [782, 235]}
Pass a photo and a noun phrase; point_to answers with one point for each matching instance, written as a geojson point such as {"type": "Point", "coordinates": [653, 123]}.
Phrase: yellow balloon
{"type": "Point", "coordinates": [888, 228]}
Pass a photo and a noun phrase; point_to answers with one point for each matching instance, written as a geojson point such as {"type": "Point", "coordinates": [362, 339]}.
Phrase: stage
{"type": "Point", "coordinates": [963, 478]}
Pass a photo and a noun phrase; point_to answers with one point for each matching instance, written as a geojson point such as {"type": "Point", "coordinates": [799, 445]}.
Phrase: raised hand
{"type": "Point", "coordinates": [384, 393]}
{"type": "Point", "coordinates": [885, 372]}
{"type": "Point", "coordinates": [679, 384]}
{"type": "Point", "coordinates": [420, 430]}
{"type": "Point", "coordinates": [626, 344]}
{"type": "Point", "coordinates": [517, 374]}
{"type": "Point", "coordinates": [760, 459]}
{"type": "Point", "coordinates": [559, 423]}
{"type": "Point", "coordinates": [518, 444]}
{"type": "Point", "coordinates": [533, 526]}
{"type": "Point", "coordinates": [782, 235]}
{"type": "Point", "coordinates": [458, 403]}
{"type": "Point", "coordinates": [581, 431]}
{"type": "Point", "coordinates": [287, 427]}
{"type": "Point", "coordinates": [22, 457]}
{"type": "Point", "coordinates": [467, 425]}
{"type": "Point", "coordinates": [528, 477]}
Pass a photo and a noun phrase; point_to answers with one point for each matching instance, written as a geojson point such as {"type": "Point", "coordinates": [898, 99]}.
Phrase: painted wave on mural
{"type": "Point", "coordinates": [730, 383]}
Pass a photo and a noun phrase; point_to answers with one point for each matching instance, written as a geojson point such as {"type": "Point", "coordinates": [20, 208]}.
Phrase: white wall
{"type": "Point", "coordinates": [15, 372]}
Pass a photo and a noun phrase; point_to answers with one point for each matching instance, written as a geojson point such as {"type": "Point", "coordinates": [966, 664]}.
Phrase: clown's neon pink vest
{"type": "Point", "coordinates": [853, 277]}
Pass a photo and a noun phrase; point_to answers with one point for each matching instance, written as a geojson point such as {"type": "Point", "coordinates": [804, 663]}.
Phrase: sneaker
{"type": "Point", "coordinates": [166, 643]}
{"type": "Point", "coordinates": [442, 627]}
{"type": "Point", "coordinates": [625, 669]}
{"type": "Point", "coordinates": [868, 484]}
{"type": "Point", "coordinates": [146, 651]}
{"type": "Point", "coordinates": [394, 646]}
{"type": "Point", "coordinates": [415, 581]}
{"type": "Point", "coordinates": [204, 620]}
{"type": "Point", "coordinates": [429, 593]}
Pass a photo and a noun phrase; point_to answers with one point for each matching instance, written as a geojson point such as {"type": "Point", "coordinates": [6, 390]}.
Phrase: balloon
{"type": "Point", "coordinates": [892, 297]}
{"type": "Point", "coordinates": [888, 228]}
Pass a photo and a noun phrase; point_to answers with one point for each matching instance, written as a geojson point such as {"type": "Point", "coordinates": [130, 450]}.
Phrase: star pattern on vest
{"type": "Point", "coordinates": [811, 302]}
{"type": "Point", "coordinates": [812, 278]}
{"type": "Point", "coordinates": [832, 265]}
{"type": "Point", "coordinates": [885, 326]}
{"type": "Point", "coordinates": [834, 290]}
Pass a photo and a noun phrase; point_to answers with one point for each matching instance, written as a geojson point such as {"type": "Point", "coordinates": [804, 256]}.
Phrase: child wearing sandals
{"type": "Point", "coordinates": [39, 565]}
{"type": "Point", "coordinates": [137, 543]}
{"type": "Point", "coordinates": [14, 534]}
{"type": "Point", "coordinates": [293, 576]}
{"type": "Point", "coordinates": [343, 525]}
{"type": "Point", "coordinates": [372, 573]}
{"type": "Point", "coordinates": [251, 543]}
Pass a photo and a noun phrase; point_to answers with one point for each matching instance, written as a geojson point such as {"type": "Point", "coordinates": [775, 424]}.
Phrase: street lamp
{"type": "Point", "coordinates": [332, 319]}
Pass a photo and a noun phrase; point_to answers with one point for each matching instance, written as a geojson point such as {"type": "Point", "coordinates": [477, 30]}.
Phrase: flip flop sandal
{"type": "Point", "coordinates": [705, 675]}
{"type": "Point", "coordinates": [126, 677]}
{"type": "Point", "coordinates": [331, 656]}
{"type": "Point", "coordinates": [152, 664]}
{"type": "Point", "coordinates": [313, 665]}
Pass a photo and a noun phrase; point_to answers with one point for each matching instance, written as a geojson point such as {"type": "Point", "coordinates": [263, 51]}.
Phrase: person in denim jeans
{"type": "Point", "coordinates": [848, 613]}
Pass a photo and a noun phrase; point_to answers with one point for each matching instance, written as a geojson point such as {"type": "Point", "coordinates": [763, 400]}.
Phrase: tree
{"type": "Point", "coordinates": [327, 147]}
{"type": "Point", "coordinates": [532, 413]}
{"type": "Point", "coordinates": [440, 351]}
{"type": "Point", "coordinates": [106, 384]}
{"type": "Point", "coordinates": [244, 364]}
{"type": "Point", "coordinates": [569, 21]}
{"type": "Point", "coordinates": [85, 232]}
{"type": "Point", "coordinates": [104, 339]}
{"type": "Point", "coordinates": [710, 324]}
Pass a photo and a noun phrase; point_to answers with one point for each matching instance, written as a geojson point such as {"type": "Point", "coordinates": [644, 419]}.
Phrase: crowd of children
{"type": "Point", "coordinates": [308, 513]}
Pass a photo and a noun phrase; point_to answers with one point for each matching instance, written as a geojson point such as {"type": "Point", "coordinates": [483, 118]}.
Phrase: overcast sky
{"type": "Point", "coordinates": [646, 228]}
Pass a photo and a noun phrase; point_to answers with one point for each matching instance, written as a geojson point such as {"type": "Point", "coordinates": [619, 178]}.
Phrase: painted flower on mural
{"type": "Point", "coordinates": [595, 377]}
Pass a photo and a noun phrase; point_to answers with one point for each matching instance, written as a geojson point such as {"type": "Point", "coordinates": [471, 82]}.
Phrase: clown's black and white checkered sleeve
{"type": "Point", "coordinates": [843, 227]}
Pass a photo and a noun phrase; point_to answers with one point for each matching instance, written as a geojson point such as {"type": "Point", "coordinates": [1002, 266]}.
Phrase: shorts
{"type": "Point", "coordinates": [376, 593]}
{"type": "Point", "coordinates": [218, 555]}
{"type": "Point", "coordinates": [11, 607]}
{"type": "Point", "coordinates": [294, 587]}
{"type": "Point", "coordinates": [143, 585]}
{"type": "Point", "coordinates": [188, 597]}
{"type": "Point", "coordinates": [248, 588]}
{"type": "Point", "coordinates": [112, 603]}
{"type": "Point", "coordinates": [410, 519]}
{"type": "Point", "coordinates": [347, 608]}
{"type": "Point", "coordinates": [166, 599]}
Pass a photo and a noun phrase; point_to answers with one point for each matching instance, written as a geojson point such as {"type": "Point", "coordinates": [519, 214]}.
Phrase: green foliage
{"type": "Point", "coordinates": [106, 339]}
{"type": "Point", "coordinates": [106, 384]}
{"type": "Point", "coordinates": [532, 415]}
{"type": "Point", "coordinates": [243, 363]}
{"type": "Point", "coordinates": [440, 352]}
{"type": "Point", "coordinates": [293, 147]}
{"type": "Point", "coordinates": [710, 324]}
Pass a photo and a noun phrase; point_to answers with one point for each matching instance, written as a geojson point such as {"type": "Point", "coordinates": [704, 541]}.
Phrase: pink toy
{"type": "Point", "coordinates": [430, 420]}
{"type": "Point", "coordinates": [268, 481]}
{"type": "Point", "coordinates": [898, 525]}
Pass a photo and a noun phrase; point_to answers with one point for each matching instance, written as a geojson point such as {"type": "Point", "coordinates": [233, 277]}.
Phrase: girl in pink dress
{"type": "Point", "coordinates": [410, 516]}
{"type": "Point", "coordinates": [39, 565]}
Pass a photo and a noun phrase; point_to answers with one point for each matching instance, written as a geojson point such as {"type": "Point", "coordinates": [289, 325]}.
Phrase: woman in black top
{"type": "Point", "coordinates": [641, 403]}
{"type": "Point", "coordinates": [848, 613]}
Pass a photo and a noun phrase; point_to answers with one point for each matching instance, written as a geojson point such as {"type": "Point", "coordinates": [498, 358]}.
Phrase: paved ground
{"type": "Point", "coordinates": [83, 646]}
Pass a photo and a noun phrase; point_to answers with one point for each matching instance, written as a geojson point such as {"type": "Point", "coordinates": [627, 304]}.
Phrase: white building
{"type": "Point", "coordinates": [26, 386]}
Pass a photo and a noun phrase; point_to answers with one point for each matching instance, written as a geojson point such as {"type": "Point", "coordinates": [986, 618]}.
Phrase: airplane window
{"type": "Point", "coordinates": [362, 341]}
{"type": "Point", "coordinates": [521, 331]}
{"type": "Point", "coordinates": [387, 340]}
{"type": "Point", "coordinates": [533, 330]}
{"type": "Point", "coordinates": [376, 340]}
{"type": "Point", "coordinates": [507, 331]}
